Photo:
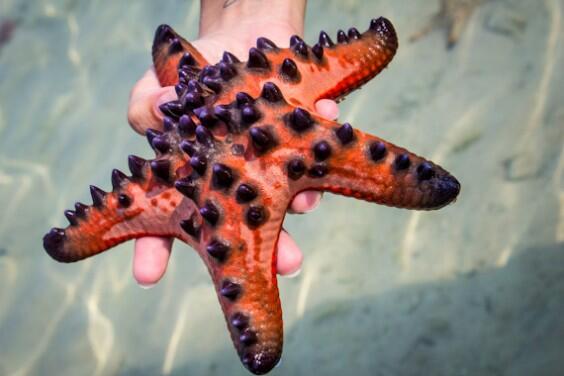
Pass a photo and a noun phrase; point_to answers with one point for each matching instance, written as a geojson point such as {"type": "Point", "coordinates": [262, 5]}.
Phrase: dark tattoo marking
{"type": "Point", "coordinates": [228, 3]}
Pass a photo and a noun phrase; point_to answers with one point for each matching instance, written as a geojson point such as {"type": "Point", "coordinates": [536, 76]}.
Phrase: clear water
{"type": "Point", "coordinates": [474, 289]}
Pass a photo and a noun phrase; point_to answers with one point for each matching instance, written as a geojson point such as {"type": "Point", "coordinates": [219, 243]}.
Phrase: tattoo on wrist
{"type": "Point", "coordinates": [228, 3]}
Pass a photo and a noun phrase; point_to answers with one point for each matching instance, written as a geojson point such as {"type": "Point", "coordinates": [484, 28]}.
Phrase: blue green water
{"type": "Point", "coordinates": [476, 288]}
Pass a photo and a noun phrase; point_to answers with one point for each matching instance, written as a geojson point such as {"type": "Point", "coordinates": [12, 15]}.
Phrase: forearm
{"type": "Point", "coordinates": [235, 15]}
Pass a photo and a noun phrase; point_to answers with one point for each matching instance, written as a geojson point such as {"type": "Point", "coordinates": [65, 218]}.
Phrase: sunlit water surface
{"type": "Point", "coordinates": [476, 288]}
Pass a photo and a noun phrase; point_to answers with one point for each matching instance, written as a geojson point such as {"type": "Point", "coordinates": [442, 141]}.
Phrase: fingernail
{"type": "Point", "coordinates": [328, 108]}
{"type": "Point", "coordinates": [313, 201]}
{"type": "Point", "coordinates": [294, 274]}
{"type": "Point", "coordinates": [316, 201]}
{"type": "Point", "coordinates": [146, 286]}
{"type": "Point", "coordinates": [167, 96]}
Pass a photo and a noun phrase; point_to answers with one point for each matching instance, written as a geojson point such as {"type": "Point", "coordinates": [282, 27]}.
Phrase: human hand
{"type": "Point", "coordinates": [151, 254]}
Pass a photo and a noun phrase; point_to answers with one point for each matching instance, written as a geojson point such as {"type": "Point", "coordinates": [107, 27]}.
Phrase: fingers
{"type": "Point", "coordinates": [289, 260]}
{"type": "Point", "coordinates": [144, 101]}
{"type": "Point", "coordinates": [152, 253]}
{"type": "Point", "coordinates": [150, 259]}
{"type": "Point", "coordinates": [327, 108]}
{"type": "Point", "coordinates": [305, 201]}
{"type": "Point", "coordinates": [147, 95]}
{"type": "Point", "coordinates": [309, 200]}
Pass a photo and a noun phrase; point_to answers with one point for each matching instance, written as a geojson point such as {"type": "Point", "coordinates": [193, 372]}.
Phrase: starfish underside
{"type": "Point", "coordinates": [240, 142]}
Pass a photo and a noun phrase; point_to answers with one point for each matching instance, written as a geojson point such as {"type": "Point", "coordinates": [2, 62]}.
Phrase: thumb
{"type": "Point", "coordinates": [144, 101]}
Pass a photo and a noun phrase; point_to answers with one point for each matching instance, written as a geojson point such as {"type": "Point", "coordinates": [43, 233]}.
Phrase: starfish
{"type": "Point", "coordinates": [7, 28]}
{"type": "Point", "coordinates": [241, 140]}
{"type": "Point", "coordinates": [454, 16]}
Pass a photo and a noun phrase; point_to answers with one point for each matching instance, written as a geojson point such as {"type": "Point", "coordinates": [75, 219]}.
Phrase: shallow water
{"type": "Point", "coordinates": [473, 289]}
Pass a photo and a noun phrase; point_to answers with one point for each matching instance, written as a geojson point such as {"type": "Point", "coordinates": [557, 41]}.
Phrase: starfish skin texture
{"type": "Point", "coordinates": [453, 15]}
{"type": "Point", "coordinates": [238, 144]}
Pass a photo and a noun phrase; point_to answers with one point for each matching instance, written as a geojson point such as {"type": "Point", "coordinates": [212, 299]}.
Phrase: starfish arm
{"type": "Point", "coordinates": [239, 221]}
{"type": "Point", "coordinates": [246, 284]}
{"type": "Point", "coordinates": [144, 204]}
{"type": "Point", "coordinates": [168, 50]}
{"type": "Point", "coordinates": [96, 228]}
{"type": "Point", "coordinates": [434, 23]}
{"type": "Point", "coordinates": [366, 167]}
{"type": "Point", "coordinates": [457, 23]}
{"type": "Point", "coordinates": [346, 66]}
{"type": "Point", "coordinates": [316, 153]}
{"type": "Point", "coordinates": [101, 228]}
{"type": "Point", "coordinates": [328, 70]}
{"type": "Point", "coordinates": [453, 16]}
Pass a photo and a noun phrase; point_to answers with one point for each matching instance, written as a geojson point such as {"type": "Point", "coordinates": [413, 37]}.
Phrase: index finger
{"type": "Point", "coordinates": [144, 100]}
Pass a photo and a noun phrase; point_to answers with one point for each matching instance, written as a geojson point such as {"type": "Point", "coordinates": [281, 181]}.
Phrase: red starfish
{"type": "Point", "coordinates": [239, 143]}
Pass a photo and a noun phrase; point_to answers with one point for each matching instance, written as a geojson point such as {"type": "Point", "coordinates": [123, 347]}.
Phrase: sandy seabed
{"type": "Point", "coordinates": [474, 289]}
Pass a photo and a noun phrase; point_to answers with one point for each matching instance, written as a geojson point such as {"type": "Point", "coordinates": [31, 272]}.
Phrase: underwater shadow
{"type": "Point", "coordinates": [494, 321]}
